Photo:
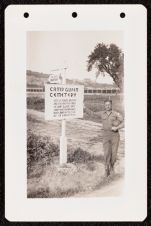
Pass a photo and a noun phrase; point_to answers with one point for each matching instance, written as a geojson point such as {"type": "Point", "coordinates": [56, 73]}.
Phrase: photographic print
{"type": "Point", "coordinates": [75, 114]}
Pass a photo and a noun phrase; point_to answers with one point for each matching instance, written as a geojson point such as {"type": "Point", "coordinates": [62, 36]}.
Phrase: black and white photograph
{"type": "Point", "coordinates": [75, 114]}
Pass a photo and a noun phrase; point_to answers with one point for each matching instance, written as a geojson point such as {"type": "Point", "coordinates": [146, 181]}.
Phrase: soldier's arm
{"type": "Point", "coordinates": [121, 125]}
{"type": "Point", "coordinates": [121, 119]}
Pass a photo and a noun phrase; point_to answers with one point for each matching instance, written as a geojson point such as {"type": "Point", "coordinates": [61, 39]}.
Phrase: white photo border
{"type": "Point", "coordinates": [132, 206]}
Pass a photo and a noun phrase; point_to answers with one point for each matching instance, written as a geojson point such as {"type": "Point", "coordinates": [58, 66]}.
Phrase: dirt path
{"type": "Point", "coordinates": [114, 188]}
{"type": "Point", "coordinates": [80, 133]}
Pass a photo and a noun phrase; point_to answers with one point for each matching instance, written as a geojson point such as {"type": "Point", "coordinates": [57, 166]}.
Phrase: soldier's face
{"type": "Point", "coordinates": [108, 106]}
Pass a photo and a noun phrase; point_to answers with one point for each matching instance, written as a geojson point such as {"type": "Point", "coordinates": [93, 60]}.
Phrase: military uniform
{"type": "Point", "coordinates": [110, 138]}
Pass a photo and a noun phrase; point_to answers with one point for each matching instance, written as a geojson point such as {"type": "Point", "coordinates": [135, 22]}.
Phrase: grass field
{"type": "Point", "coordinates": [85, 169]}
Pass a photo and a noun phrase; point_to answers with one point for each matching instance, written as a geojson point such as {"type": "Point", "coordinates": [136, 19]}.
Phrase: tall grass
{"type": "Point", "coordinates": [47, 179]}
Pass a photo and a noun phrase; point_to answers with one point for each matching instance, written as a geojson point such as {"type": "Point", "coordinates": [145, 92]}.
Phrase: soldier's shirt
{"type": "Point", "coordinates": [108, 119]}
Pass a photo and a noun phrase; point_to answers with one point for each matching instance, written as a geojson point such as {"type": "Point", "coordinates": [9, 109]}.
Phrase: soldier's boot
{"type": "Point", "coordinates": [107, 171]}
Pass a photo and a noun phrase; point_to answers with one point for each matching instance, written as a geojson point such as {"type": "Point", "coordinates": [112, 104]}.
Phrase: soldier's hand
{"type": "Point", "coordinates": [114, 128]}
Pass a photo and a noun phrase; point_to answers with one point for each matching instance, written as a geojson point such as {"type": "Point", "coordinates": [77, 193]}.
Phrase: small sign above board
{"type": "Point", "coordinates": [63, 101]}
{"type": "Point", "coordinates": [55, 78]}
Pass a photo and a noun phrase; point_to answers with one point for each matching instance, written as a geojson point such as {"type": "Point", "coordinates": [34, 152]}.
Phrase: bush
{"type": "Point", "coordinates": [40, 149]}
{"type": "Point", "coordinates": [79, 156]}
{"type": "Point", "coordinates": [35, 103]}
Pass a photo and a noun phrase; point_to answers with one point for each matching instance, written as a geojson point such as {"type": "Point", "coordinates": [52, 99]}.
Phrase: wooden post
{"type": "Point", "coordinates": [63, 138]}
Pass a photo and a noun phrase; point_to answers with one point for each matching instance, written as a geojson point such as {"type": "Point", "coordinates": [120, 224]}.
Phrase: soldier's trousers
{"type": "Point", "coordinates": [110, 145]}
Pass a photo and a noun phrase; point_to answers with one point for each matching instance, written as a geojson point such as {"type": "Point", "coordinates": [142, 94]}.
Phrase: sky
{"type": "Point", "coordinates": [50, 50]}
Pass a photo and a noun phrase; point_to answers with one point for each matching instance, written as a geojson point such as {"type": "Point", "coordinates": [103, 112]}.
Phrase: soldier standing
{"type": "Point", "coordinates": [111, 123]}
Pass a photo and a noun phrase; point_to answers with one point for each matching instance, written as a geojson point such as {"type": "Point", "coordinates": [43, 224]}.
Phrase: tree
{"type": "Point", "coordinates": [109, 59]}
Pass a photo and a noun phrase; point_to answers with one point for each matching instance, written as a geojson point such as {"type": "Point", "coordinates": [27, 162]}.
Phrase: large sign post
{"type": "Point", "coordinates": [63, 138]}
{"type": "Point", "coordinates": [63, 102]}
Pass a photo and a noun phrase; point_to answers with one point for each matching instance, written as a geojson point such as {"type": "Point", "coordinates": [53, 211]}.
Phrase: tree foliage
{"type": "Point", "coordinates": [107, 59]}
